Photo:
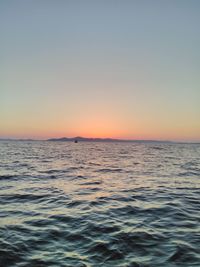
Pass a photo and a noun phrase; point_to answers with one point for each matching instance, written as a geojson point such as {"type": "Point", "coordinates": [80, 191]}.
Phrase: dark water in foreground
{"type": "Point", "coordinates": [99, 204]}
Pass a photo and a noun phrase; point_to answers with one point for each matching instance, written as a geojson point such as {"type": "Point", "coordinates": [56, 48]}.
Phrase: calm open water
{"type": "Point", "coordinates": [99, 204]}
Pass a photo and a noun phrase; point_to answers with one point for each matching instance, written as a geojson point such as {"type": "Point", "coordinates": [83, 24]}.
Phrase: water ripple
{"type": "Point", "coordinates": [99, 204]}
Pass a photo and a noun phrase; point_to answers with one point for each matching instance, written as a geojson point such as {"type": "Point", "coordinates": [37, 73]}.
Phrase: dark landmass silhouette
{"type": "Point", "coordinates": [86, 139]}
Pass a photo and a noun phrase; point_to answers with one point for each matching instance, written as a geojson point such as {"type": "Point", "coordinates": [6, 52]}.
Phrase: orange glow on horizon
{"type": "Point", "coordinates": [98, 125]}
{"type": "Point", "coordinates": [99, 130]}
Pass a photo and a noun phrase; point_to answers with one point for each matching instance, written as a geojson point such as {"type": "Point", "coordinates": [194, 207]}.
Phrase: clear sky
{"type": "Point", "coordinates": [107, 68]}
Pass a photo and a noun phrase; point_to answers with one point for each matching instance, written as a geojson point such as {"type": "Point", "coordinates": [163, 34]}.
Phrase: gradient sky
{"type": "Point", "coordinates": [125, 69]}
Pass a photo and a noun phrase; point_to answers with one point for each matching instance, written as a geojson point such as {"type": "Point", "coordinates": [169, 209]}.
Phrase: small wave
{"type": "Point", "coordinates": [24, 197]}
{"type": "Point", "coordinates": [63, 218]}
{"type": "Point", "coordinates": [189, 173]}
{"type": "Point", "coordinates": [157, 148]}
{"type": "Point", "coordinates": [74, 204]}
{"type": "Point", "coordinates": [102, 249]}
{"type": "Point", "coordinates": [92, 183]}
{"type": "Point", "coordinates": [100, 229]}
{"type": "Point", "coordinates": [79, 177]}
{"type": "Point", "coordinates": [184, 254]}
{"type": "Point", "coordinates": [51, 171]}
{"type": "Point", "coordinates": [8, 177]}
{"type": "Point", "coordinates": [107, 170]}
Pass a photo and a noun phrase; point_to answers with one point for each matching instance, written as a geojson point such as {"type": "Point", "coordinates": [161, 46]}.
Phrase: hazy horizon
{"type": "Point", "coordinates": [100, 69]}
{"type": "Point", "coordinates": [90, 139]}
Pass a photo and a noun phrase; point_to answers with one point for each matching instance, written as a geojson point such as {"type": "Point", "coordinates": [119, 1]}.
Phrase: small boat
{"type": "Point", "coordinates": [75, 141]}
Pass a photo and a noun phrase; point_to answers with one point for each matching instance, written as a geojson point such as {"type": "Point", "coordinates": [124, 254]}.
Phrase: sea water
{"type": "Point", "coordinates": [99, 204]}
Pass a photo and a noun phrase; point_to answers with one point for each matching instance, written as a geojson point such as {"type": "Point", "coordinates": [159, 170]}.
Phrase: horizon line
{"type": "Point", "coordinates": [87, 139]}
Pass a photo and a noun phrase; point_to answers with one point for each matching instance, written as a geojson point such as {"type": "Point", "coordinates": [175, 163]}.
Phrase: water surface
{"type": "Point", "coordinates": [99, 204]}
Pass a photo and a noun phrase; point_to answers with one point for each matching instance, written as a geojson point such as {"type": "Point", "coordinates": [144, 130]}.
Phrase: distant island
{"type": "Point", "coordinates": [86, 139]}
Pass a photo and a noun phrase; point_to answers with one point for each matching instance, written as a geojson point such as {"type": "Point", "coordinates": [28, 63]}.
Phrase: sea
{"type": "Point", "coordinates": [114, 204]}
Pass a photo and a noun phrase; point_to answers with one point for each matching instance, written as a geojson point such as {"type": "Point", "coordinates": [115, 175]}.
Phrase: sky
{"type": "Point", "coordinates": [107, 68]}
